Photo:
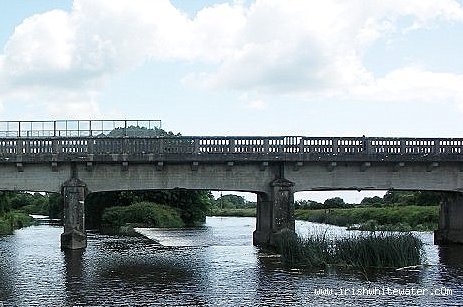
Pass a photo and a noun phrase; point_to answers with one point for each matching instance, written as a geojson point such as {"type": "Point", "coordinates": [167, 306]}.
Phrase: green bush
{"type": "Point", "coordinates": [145, 213]}
{"type": "Point", "coordinates": [14, 220]}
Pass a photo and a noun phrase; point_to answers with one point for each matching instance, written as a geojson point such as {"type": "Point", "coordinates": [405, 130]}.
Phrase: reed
{"type": "Point", "coordinates": [373, 250]}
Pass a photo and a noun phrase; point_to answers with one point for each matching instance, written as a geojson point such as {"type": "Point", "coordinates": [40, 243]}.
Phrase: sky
{"type": "Point", "coordinates": [238, 67]}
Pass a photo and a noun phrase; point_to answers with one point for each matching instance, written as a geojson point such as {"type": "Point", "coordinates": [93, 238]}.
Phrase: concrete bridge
{"type": "Point", "coordinates": [91, 160]}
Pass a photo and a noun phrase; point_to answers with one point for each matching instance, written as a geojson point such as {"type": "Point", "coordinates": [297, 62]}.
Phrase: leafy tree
{"type": "Point", "coordinates": [374, 201]}
{"type": "Point", "coordinates": [412, 198]}
{"type": "Point", "coordinates": [336, 202]}
{"type": "Point", "coordinates": [308, 204]}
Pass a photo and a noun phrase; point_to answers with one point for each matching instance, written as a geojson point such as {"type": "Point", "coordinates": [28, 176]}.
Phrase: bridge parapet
{"type": "Point", "coordinates": [291, 148]}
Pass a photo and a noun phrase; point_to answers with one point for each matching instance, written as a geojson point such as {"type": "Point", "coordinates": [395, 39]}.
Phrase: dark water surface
{"type": "Point", "coordinates": [215, 265]}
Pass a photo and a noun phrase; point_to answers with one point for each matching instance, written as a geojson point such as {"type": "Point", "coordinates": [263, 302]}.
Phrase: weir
{"type": "Point", "coordinates": [80, 157]}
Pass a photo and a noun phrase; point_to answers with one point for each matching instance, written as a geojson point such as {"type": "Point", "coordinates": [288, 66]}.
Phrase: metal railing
{"type": "Point", "coordinates": [288, 145]}
{"type": "Point", "coordinates": [72, 128]}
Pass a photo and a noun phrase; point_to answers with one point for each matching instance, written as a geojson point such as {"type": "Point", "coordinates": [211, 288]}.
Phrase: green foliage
{"type": "Point", "coordinates": [4, 203]}
{"type": "Point", "coordinates": [411, 198]}
{"type": "Point", "coordinates": [136, 131]}
{"type": "Point", "coordinates": [392, 218]}
{"type": "Point", "coordinates": [231, 201]}
{"type": "Point", "coordinates": [243, 212]}
{"type": "Point", "coordinates": [145, 213]}
{"type": "Point", "coordinates": [308, 204]}
{"type": "Point", "coordinates": [14, 220]}
{"type": "Point", "coordinates": [336, 202]}
{"type": "Point", "coordinates": [366, 251]}
{"type": "Point", "coordinates": [45, 204]}
{"type": "Point", "coordinates": [383, 250]}
{"type": "Point", "coordinates": [191, 205]}
{"type": "Point", "coordinates": [375, 201]}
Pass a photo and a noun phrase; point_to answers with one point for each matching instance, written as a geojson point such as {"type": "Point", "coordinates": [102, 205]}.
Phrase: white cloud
{"type": "Point", "coordinates": [274, 46]}
{"type": "Point", "coordinates": [413, 84]}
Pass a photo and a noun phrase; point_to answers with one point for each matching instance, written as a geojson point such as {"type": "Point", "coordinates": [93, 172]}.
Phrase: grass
{"type": "Point", "coordinates": [14, 220]}
{"type": "Point", "coordinates": [244, 212]}
{"type": "Point", "coordinates": [383, 250]}
{"type": "Point", "coordinates": [400, 218]}
{"type": "Point", "coordinates": [145, 214]}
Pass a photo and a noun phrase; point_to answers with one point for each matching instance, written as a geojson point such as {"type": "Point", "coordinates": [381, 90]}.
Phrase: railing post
{"type": "Point", "coordinates": [368, 146]}
{"type": "Point", "coordinates": [196, 144]}
{"type": "Point", "coordinates": [436, 146]}
{"type": "Point", "coordinates": [301, 145]}
{"type": "Point", "coordinates": [19, 147]}
{"type": "Point", "coordinates": [55, 146]}
{"type": "Point", "coordinates": [335, 146]}
{"type": "Point", "coordinates": [231, 146]}
{"type": "Point", "coordinates": [266, 146]}
{"type": "Point", "coordinates": [402, 146]}
{"type": "Point", "coordinates": [90, 143]}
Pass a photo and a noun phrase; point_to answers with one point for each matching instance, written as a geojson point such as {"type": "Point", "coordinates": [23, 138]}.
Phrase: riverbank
{"type": "Point", "coordinates": [397, 218]}
{"type": "Point", "coordinates": [393, 218]}
{"type": "Point", "coordinates": [244, 212]}
{"type": "Point", "coordinates": [14, 220]}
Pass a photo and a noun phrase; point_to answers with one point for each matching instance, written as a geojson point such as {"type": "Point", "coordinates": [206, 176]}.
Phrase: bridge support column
{"type": "Point", "coordinates": [450, 219]}
{"type": "Point", "coordinates": [74, 236]}
{"type": "Point", "coordinates": [275, 213]}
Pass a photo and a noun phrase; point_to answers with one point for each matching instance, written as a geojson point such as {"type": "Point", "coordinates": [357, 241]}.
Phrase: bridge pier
{"type": "Point", "coordinates": [74, 236]}
{"type": "Point", "coordinates": [450, 219]}
{"type": "Point", "coordinates": [275, 213]}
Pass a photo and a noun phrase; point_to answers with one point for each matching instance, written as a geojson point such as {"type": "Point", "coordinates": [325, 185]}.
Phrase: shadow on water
{"type": "Point", "coordinates": [141, 271]}
{"type": "Point", "coordinates": [451, 260]}
{"type": "Point", "coordinates": [73, 263]}
{"type": "Point", "coordinates": [451, 255]}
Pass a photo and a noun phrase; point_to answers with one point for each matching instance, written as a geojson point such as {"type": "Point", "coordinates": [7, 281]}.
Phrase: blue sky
{"type": "Point", "coordinates": [275, 67]}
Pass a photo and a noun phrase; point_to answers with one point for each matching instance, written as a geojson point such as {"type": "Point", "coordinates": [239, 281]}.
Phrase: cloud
{"type": "Point", "coordinates": [65, 59]}
{"type": "Point", "coordinates": [413, 84]}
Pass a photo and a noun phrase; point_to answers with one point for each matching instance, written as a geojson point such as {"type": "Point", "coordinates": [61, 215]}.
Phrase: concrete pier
{"type": "Point", "coordinates": [275, 213]}
{"type": "Point", "coordinates": [74, 236]}
{"type": "Point", "coordinates": [450, 219]}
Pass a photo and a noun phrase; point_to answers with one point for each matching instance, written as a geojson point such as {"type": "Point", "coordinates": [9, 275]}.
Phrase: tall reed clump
{"type": "Point", "coordinates": [313, 251]}
{"type": "Point", "coordinates": [383, 250]}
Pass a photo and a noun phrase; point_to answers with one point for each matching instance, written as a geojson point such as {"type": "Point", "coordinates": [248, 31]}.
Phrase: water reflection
{"type": "Point", "coordinates": [73, 262]}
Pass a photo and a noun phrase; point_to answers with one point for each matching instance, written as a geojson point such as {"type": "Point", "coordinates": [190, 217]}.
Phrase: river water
{"type": "Point", "coordinates": [215, 265]}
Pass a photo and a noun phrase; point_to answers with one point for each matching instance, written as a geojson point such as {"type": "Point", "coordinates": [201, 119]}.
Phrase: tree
{"type": "Point", "coordinates": [375, 201]}
{"type": "Point", "coordinates": [336, 202]}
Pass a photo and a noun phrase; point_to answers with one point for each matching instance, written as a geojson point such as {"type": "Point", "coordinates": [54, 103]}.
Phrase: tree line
{"type": "Point", "coordinates": [391, 198]}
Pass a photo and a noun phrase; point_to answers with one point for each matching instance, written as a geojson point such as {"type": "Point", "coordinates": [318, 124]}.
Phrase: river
{"type": "Point", "coordinates": [214, 265]}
